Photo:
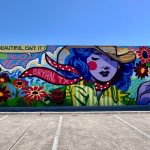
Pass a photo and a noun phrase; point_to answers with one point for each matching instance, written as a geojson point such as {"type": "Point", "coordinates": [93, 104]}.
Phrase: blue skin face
{"type": "Point", "coordinates": [105, 68]}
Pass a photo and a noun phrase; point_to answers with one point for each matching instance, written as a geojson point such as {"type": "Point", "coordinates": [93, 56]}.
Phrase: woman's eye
{"type": "Point", "coordinates": [93, 58]}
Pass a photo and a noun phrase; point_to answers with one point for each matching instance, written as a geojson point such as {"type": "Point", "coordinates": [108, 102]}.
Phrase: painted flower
{"type": "Point", "coordinates": [4, 94]}
{"type": "Point", "coordinates": [144, 54]}
{"type": "Point", "coordinates": [57, 96]}
{"type": "Point", "coordinates": [141, 70]}
{"type": "Point", "coordinates": [4, 78]}
{"type": "Point", "coordinates": [20, 84]}
{"type": "Point", "coordinates": [34, 94]}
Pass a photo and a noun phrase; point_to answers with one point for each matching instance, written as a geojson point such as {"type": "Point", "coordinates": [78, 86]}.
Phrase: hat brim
{"type": "Point", "coordinates": [123, 58]}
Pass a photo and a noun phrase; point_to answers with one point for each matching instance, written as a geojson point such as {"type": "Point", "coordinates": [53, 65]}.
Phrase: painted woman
{"type": "Point", "coordinates": [93, 75]}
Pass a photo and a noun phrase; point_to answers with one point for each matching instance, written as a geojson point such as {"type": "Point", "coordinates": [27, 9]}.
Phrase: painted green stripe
{"type": "Point", "coordinates": [117, 96]}
{"type": "Point", "coordinates": [112, 94]}
{"type": "Point", "coordinates": [107, 101]}
{"type": "Point", "coordinates": [104, 100]}
{"type": "Point", "coordinates": [100, 101]}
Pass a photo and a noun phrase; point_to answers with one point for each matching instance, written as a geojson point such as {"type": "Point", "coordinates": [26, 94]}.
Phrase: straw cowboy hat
{"type": "Point", "coordinates": [120, 54]}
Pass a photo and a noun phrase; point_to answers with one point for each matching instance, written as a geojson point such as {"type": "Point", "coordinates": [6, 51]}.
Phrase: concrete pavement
{"type": "Point", "coordinates": [75, 131]}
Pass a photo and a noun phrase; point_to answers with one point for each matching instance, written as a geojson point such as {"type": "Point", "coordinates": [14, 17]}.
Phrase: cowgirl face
{"type": "Point", "coordinates": [102, 67]}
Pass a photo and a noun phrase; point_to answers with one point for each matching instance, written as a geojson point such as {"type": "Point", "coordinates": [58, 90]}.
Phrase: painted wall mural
{"type": "Point", "coordinates": [44, 76]}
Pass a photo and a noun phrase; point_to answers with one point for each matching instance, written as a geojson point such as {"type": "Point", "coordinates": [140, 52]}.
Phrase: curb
{"type": "Point", "coordinates": [79, 110]}
{"type": "Point", "coordinates": [95, 112]}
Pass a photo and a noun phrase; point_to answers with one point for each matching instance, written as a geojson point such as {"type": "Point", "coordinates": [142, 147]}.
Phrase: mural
{"type": "Point", "coordinates": [44, 76]}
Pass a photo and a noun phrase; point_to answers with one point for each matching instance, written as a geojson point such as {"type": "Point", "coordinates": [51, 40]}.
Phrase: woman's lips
{"type": "Point", "coordinates": [104, 73]}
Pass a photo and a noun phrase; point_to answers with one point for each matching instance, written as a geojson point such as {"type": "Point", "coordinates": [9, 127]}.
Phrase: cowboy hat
{"type": "Point", "coordinates": [120, 54]}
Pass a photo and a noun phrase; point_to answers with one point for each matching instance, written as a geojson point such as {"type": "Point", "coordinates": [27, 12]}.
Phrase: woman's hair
{"type": "Point", "coordinates": [78, 60]}
{"type": "Point", "coordinates": [122, 79]}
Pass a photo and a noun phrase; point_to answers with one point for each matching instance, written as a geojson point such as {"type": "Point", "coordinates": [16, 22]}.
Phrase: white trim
{"type": "Point", "coordinates": [57, 135]}
{"type": "Point", "coordinates": [148, 136]}
{"type": "Point", "coordinates": [3, 117]}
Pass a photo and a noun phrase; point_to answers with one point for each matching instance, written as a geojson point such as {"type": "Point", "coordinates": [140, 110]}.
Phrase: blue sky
{"type": "Point", "coordinates": [79, 22]}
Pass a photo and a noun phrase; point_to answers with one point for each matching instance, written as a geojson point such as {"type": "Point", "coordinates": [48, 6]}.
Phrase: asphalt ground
{"type": "Point", "coordinates": [75, 131]}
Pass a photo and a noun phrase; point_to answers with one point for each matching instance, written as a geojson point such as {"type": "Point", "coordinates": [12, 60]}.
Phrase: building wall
{"type": "Point", "coordinates": [44, 76]}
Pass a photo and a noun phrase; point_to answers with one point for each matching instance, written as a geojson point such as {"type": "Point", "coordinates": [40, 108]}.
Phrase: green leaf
{"type": "Point", "coordinates": [39, 104]}
{"type": "Point", "coordinates": [12, 102]}
{"type": "Point", "coordinates": [83, 104]}
{"type": "Point", "coordinates": [90, 84]}
{"type": "Point", "coordinates": [148, 65]}
{"type": "Point", "coordinates": [21, 102]}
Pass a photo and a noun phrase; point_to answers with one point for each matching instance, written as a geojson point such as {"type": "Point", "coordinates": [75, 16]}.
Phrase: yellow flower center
{"type": "Point", "coordinates": [142, 70]}
{"type": "Point", "coordinates": [1, 94]}
{"type": "Point", "coordinates": [2, 79]}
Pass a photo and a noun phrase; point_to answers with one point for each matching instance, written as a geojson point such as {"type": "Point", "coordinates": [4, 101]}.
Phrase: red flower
{"type": "Point", "coordinates": [34, 94]}
{"type": "Point", "coordinates": [19, 84]}
{"type": "Point", "coordinates": [141, 70]}
{"type": "Point", "coordinates": [4, 95]}
{"type": "Point", "coordinates": [57, 96]}
{"type": "Point", "coordinates": [4, 78]}
{"type": "Point", "coordinates": [144, 54]}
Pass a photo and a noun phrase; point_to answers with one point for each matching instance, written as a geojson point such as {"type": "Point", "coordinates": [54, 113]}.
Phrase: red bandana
{"type": "Point", "coordinates": [53, 77]}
